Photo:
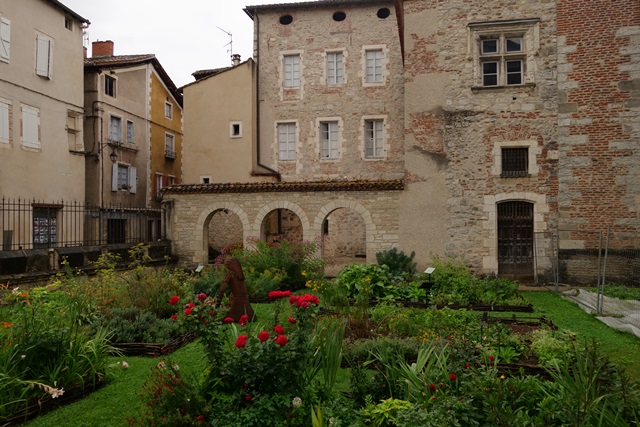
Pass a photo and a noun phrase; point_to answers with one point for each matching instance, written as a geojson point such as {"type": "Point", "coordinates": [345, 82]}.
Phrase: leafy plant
{"type": "Point", "coordinates": [398, 262]}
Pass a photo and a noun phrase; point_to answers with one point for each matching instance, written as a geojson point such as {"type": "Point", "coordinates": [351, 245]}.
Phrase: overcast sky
{"type": "Point", "coordinates": [182, 34]}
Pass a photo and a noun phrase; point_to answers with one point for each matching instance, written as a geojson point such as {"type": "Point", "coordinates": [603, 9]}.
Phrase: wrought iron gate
{"type": "Point", "coordinates": [515, 238]}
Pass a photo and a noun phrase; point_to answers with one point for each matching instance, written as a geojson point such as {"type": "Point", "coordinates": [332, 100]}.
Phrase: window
{"type": "Point", "coordinates": [30, 127]}
{"type": "Point", "coordinates": [5, 39]}
{"type": "Point", "coordinates": [115, 130]}
{"type": "Point", "coordinates": [74, 133]}
{"type": "Point", "coordinates": [168, 110]}
{"type": "Point", "coordinates": [169, 146]}
{"type": "Point", "coordinates": [205, 179]}
{"type": "Point", "coordinates": [502, 60]}
{"type": "Point", "coordinates": [159, 182]}
{"type": "Point", "coordinates": [45, 226]}
{"type": "Point", "coordinates": [373, 66]}
{"type": "Point", "coordinates": [503, 51]}
{"type": "Point", "coordinates": [130, 134]}
{"type": "Point", "coordinates": [235, 129]}
{"type": "Point", "coordinates": [172, 180]}
{"type": "Point", "coordinates": [44, 54]}
{"type": "Point", "coordinates": [68, 23]}
{"type": "Point", "coordinates": [335, 69]}
{"type": "Point", "coordinates": [4, 123]}
{"type": "Point", "coordinates": [286, 141]}
{"type": "Point", "coordinates": [373, 139]}
{"type": "Point", "coordinates": [292, 71]}
{"type": "Point", "coordinates": [123, 178]}
{"type": "Point", "coordinates": [329, 140]}
{"type": "Point", "coordinates": [515, 161]}
{"type": "Point", "coordinates": [110, 86]}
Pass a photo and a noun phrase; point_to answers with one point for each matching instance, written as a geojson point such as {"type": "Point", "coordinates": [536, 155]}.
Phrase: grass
{"type": "Point", "coordinates": [118, 400]}
{"type": "Point", "coordinates": [621, 347]}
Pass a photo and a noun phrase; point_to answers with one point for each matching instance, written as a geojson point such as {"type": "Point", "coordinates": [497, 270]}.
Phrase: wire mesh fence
{"type": "Point", "coordinates": [31, 224]}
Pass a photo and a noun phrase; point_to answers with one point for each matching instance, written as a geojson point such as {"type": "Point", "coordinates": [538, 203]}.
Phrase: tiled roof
{"type": "Point", "coordinates": [67, 10]}
{"type": "Point", "coordinates": [113, 60]}
{"type": "Point", "coordinates": [285, 187]}
{"type": "Point", "coordinates": [200, 74]}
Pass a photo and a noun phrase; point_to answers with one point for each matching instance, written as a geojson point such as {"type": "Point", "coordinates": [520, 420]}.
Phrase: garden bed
{"type": "Point", "coordinates": [40, 406]}
{"type": "Point", "coordinates": [154, 349]}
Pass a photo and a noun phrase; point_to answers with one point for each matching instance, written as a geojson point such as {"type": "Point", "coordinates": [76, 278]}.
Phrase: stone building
{"type": "Point", "coordinates": [503, 123]}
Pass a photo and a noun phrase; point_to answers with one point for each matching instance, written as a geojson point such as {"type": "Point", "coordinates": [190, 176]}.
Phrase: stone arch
{"type": "Point", "coordinates": [370, 227]}
{"type": "Point", "coordinates": [490, 225]}
{"type": "Point", "coordinates": [202, 226]}
{"type": "Point", "coordinates": [281, 204]}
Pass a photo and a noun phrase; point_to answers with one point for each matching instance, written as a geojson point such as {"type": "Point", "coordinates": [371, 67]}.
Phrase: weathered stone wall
{"type": "Point", "coordinates": [312, 33]}
{"type": "Point", "coordinates": [346, 235]}
{"type": "Point", "coordinates": [460, 135]}
{"type": "Point", "coordinates": [190, 213]}
{"type": "Point", "coordinates": [599, 120]}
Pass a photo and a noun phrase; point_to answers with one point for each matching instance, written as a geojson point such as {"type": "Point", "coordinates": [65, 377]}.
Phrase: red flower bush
{"type": "Point", "coordinates": [202, 296]}
{"type": "Point", "coordinates": [263, 336]}
{"type": "Point", "coordinates": [228, 320]}
{"type": "Point", "coordinates": [174, 300]}
{"type": "Point", "coordinates": [292, 320]}
{"type": "Point", "coordinates": [281, 340]}
{"type": "Point", "coordinates": [279, 330]}
{"type": "Point", "coordinates": [243, 320]}
{"type": "Point", "coordinates": [241, 341]}
{"type": "Point", "coordinates": [304, 301]}
{"type": "Point", "coordinates": [279, 294]}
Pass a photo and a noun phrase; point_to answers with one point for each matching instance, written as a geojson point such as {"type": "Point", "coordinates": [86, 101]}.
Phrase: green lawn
{"type": "Point", "coordinates": [622, 348]}
{"type": "Point", "coordinates": [118, 400]}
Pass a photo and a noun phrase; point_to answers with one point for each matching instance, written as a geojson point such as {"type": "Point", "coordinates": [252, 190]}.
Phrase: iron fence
{"type": "Point", "coordinates": [32, 224]}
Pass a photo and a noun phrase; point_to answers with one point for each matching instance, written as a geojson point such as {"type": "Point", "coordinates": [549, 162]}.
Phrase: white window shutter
{"type": "Point", "coordinates": [132, 180]}
{"type": "Point", "coordinates": [43, 55]}
{"type": "Point", "coordinates": [5, 39]}
{"type": "Point", "coordinates": [30, 127]}
{"type": "Point", "coordinates": [114, 177]}
{"type": "Point", "coordinates": [4, 123]}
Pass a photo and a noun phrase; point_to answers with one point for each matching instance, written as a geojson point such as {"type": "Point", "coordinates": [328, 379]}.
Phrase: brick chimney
{"type": "Point", "coordinates": [101, 48]}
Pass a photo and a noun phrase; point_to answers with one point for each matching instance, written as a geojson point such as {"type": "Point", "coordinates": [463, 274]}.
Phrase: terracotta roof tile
{"type": "Point", "coordinates": [285, 187]}
{"type": "Point", "coordinates": [102, 60]}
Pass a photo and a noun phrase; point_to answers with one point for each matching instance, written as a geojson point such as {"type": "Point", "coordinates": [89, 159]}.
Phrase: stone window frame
{"type": "Point", "coordinates": [528, 29]}
{"type": "Point", "coordinates": [318, 137]}
{"type": "Point", "coordinates": [277, 139]}
{"type": "Point", "coordinates": [385, 137]}
{"type": "Point", "coordinates": [533, 151]}
{"type": "Point", "coordinates": [326, 67]}
{"type": "Point", "coordinates": [295, 84]}
{"type": "Point", "coordinates": [385, 64]}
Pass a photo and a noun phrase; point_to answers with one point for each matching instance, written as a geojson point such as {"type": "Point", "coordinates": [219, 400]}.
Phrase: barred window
{"type": "Point", "coordinates": [515, 161]}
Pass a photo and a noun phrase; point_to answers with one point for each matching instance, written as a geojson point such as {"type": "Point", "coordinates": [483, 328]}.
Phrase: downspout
{"type": "Point", "coordinates": [259, 163]}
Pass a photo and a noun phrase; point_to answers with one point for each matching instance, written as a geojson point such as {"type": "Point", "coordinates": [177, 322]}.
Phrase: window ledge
{"type": "Point", "coordinates": [476, 89]}
{"type": "Point", "coordinates": [508, 176]}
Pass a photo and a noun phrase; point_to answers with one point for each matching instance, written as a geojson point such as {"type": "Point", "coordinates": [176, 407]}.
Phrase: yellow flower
{"type": "Point", "coordinates": [502, 377]}
{"type": "Point", "coordinates": [304, 274]}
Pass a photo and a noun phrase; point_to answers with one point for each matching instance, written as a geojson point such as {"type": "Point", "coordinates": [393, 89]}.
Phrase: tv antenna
{"type": "Point", "coordinates": [230, 44]}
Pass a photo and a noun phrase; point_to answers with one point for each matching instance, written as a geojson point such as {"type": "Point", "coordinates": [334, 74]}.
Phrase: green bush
{"type": "Point", "coordinates": [398, 262]}
{"type": "Point", "coordinates": [129, 325]}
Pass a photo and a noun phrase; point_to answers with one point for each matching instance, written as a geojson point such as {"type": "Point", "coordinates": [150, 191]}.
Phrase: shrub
{"type": "Point", "coordinates": [398, 262]}
{"type": "Point", "coordinates": [129, 325]}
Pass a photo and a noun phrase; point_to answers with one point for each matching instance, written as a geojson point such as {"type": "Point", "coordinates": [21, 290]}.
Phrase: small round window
{"type": "Point", "coordinates": [339, 16]}
{"type": "Point", "coordinates": [286, 19]}
{"type": "Point", "coordinates": [383, 13]}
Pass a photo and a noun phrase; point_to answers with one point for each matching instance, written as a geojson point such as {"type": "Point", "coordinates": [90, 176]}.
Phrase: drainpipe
{"type": "Point", "coordinates": [273, 171]}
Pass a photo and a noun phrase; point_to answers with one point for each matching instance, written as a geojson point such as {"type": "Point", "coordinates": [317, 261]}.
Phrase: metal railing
{"type": "Point", "coordinates": [32, 224]}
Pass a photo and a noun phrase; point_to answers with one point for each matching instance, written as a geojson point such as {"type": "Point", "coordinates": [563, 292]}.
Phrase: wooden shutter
{"type": "Point", "coordinates": [4, 123]}
{"type": "Point", "coordinates": [114, 177]}
{"type": "Point", "coordinates": [132, 179]}
{"type": "Point", "coordinates": [5, 39]}
{"type": "Point", "coordinates": [30, 127]}
{"type": "Point", "coordinates": [43, 56]}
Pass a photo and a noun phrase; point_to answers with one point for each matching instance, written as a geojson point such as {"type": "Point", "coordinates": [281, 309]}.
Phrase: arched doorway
{"type": "Point", "coordinates": [515, 239]}
{"type": "Point", "coordinates": [222, 228]}
{"type": "Point", "coordinates": [281, 223]}
{"type": "Point", "coordinates": [344, 240]}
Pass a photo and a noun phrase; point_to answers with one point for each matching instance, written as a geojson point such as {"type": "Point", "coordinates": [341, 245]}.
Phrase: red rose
{"type": "Point", "coordinates": [240, 342]}
{"type": "Point", "coordinates": [279, 330]}
{"type": "Point", "coordinates": [453, 377]}
{"type": "Point", "coordinates": [187, 311]}
{"type": "Point", "coordinates": [243, 337]}
{"type": "Point", "coordinates": [174, 300]}
{"type": "Point", "coordinates": [243, 320]}
{"type": "Point", "coordinates": [281, 340]}
{"type": "Point", "coordinates": [247, 398]}
{"type": "Point", "coordinates": [275, 294]}
{"type": "Point", "coordinates": [202, 296]}
{"type": "Point", "coordinates": [263, 336]}
{"type": "Point", "coordinates": [293, 299]}
{"type": "Point", "coordinates": [174, 317]}
{"type": "Point", "coordinates": [491, 358]}
{"type": "Point", "coordinates": [292, 320]}
{"type": "Point", "coordinates": [304, 304]}
{"type": "Point", "coordinates": [228, 320]}
{"type": "Point", "coordinates": [286, 294]}
{"type": "Point", "coordinates": [467, 366]}
{"type": "Point", "coordinates": [432, 387]}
